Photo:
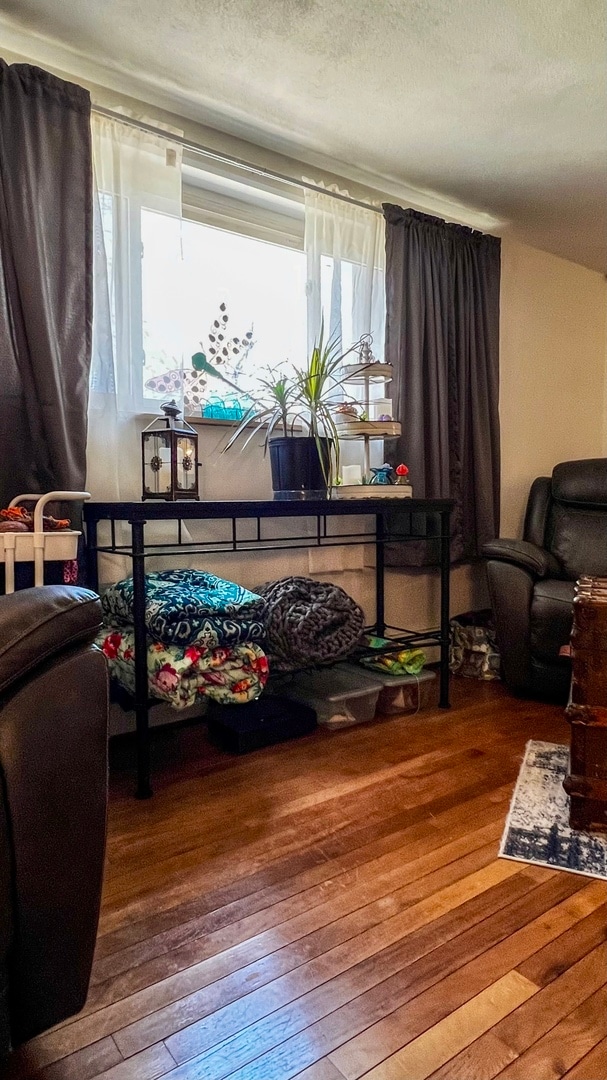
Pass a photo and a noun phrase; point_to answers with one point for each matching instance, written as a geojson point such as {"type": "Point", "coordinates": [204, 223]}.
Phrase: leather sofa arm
{"type": "Point", "coordinates": [35, 624]}
{"type": "Point", "coordinates": [530, 557]}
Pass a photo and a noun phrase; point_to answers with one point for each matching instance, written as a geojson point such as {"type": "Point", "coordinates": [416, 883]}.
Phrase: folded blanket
{"type": "Point", "coordinates": [184, 607]}
{"type": "Point", "coordinates": [183, 675]}
{"type": "Point", "coordinates": [308, 622]}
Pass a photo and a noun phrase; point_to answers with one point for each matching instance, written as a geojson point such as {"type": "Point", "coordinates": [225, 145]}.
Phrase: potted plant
{"type": "Point", "coordinates": [304, 466]}
{"type": "Point", "coordinates": [315, 390]}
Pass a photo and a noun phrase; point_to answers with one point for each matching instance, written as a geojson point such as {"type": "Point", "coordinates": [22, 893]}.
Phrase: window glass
{"type": "Point", "coordinates": [245, 285]}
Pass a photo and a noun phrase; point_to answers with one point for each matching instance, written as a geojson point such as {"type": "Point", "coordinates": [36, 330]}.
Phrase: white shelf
{"type": "Point", "coordinates": [372, 491]}
{"type": "Point", "coordinates": [373, 429]}
{"type": "Point", "coordinates": [362, 373]}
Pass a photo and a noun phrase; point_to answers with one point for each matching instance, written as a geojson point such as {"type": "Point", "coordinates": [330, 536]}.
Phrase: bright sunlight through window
{"type": "Point", "coordinates": [188, 271]}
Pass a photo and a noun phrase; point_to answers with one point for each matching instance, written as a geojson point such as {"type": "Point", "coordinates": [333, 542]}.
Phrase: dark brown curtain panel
{"type": "Point", "coordinates": [45, 280]}
{"type": "Point", "coordinates": [442, 338]}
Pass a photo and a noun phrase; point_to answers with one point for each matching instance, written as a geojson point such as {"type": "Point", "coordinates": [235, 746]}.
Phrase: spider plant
{"type": "Point", "coordinates": [270, 409]}
{"type": "Point", "coordinates": [305, 394]}
{"type": "Point", "coordinates": [315, 391]}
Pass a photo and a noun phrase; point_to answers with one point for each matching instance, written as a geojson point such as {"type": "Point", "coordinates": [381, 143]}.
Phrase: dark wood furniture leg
{"type": "Point", "coordinates": [445, 568]}
{"type": "Point", "coordinates": [586, 783]}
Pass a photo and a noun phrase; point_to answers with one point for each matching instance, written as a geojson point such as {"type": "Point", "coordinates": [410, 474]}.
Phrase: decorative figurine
{"type": "Point", "coordinates": [402, 477]}
{"type": "Point", "coordinates": [365, 351]}
{"type": "Point", "coordinates": [382, 475]}
{"type": "Point", "coordinates": [348, 410]}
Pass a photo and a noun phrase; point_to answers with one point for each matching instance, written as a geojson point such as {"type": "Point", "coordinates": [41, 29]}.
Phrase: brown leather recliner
{"type": "Point", "coordinates": [53, 803]}
{"type": "Point", "coordinates": [531, 581]}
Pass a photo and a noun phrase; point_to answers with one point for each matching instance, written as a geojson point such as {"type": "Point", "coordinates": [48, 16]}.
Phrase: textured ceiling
{"type": "Point", "coordinates": [498, 105]}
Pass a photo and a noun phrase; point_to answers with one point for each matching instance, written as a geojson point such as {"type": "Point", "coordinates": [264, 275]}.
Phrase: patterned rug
{"type": "Point", "coordinates": [537, 829]}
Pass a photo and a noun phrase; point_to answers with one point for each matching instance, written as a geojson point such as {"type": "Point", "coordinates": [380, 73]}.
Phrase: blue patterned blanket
{"type": "Point", "coordinates": [184, 607]}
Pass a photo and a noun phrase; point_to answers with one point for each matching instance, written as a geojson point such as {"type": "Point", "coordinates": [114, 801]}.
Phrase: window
{"type": "Point", "coordinates": [261, 286]}
{"type": "Point", "coordinates": [229, 278]}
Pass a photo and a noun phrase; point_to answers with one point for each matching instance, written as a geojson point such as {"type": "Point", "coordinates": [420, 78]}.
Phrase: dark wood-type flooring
{"type": "Point", "coordinates": [334, 908]}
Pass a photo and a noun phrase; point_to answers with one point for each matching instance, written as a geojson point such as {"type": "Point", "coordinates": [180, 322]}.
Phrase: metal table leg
{"type": "Point", "coordinates": [91, 556]}
{"type": "Point", "coordinates": [380, 613]}
{"type": "Point", "coordinates": [445, 567]}
{"type": "Point", "coordinates": [143, 790]}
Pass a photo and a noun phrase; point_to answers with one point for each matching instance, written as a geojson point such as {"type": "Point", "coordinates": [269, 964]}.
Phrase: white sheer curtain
{"type": "Point", "coordinates": [135, 172]}
{"type": "Point", "coordinates": [345, 248]}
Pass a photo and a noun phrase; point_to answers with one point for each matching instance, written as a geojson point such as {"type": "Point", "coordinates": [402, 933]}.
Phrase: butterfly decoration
{"type": "Point", "coordinates": [225, 352]}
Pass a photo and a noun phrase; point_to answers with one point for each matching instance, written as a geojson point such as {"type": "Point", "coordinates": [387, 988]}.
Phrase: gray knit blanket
{"type": "Point", "coordinates": [308, 622]}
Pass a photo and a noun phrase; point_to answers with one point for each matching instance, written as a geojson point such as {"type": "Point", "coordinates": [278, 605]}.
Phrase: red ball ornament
{"type": "Point", "coordinates": [402, 470]}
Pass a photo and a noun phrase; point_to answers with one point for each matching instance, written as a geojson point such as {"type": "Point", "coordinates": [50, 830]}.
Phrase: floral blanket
{"type": "Point", "coordinates": [183, 675]}
{"type": "Point", "coordinates": [184, 607]}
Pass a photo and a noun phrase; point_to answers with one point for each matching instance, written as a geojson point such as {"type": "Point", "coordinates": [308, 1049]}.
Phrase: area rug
{"type": "Point", "coordinates": [537, 829]}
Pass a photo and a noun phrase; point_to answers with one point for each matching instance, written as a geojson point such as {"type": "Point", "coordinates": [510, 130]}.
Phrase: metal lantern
{"type": "Point", "coordinates": [169, 456]}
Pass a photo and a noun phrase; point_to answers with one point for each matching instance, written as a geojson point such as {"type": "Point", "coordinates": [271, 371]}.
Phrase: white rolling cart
{"type": "Point", "coordinates": [39, 546]}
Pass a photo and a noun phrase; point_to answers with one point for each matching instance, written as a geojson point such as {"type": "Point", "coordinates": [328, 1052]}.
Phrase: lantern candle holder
{"type": "Point", "coordinates": [169, 457]}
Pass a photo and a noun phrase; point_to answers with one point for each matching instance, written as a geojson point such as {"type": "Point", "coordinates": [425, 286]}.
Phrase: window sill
{"type": "Point", "coordinates": [204, 421]}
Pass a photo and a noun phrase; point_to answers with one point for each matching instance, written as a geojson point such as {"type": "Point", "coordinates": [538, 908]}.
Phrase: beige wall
{"type": "Point", "coordinates": [553, 404]}
{"type": "Point", "coordinates": [553, 367]}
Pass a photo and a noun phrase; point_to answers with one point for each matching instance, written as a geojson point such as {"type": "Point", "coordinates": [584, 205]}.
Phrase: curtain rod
{"type": "Point", "coordinates": [229, 159]}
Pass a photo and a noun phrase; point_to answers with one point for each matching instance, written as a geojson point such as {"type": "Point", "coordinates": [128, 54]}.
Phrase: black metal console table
{"type": "Point", "coordinates": [139, 514]}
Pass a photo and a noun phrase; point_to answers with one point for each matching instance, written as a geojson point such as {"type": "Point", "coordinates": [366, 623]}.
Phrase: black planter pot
{"type": "Point", "coordinates": [297, 472]}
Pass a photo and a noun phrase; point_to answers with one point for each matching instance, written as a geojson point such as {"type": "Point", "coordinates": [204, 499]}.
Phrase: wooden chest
{"type": "Point", "coordinates": [586, 783]}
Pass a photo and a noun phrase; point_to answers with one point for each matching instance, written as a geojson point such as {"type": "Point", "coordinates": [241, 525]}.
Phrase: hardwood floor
{"type": "Point", "coordinates": [334, 908]}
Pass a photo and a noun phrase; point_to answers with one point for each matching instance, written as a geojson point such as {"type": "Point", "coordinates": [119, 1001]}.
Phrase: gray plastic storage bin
{"type": "Point", "coordinates": [398, 693]}
{"type": "Point", "coordinates": [340, 698]}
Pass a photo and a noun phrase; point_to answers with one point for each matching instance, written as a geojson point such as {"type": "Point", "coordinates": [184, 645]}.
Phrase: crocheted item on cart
{"type": "Point", "coordinates": [308, 622]}
{"type": "Point", "coordinates": [21, 516]}
{"type": "Point", "coordinates": [182, 676]}
{"type": "Point", "coordinates": [184, 607]}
